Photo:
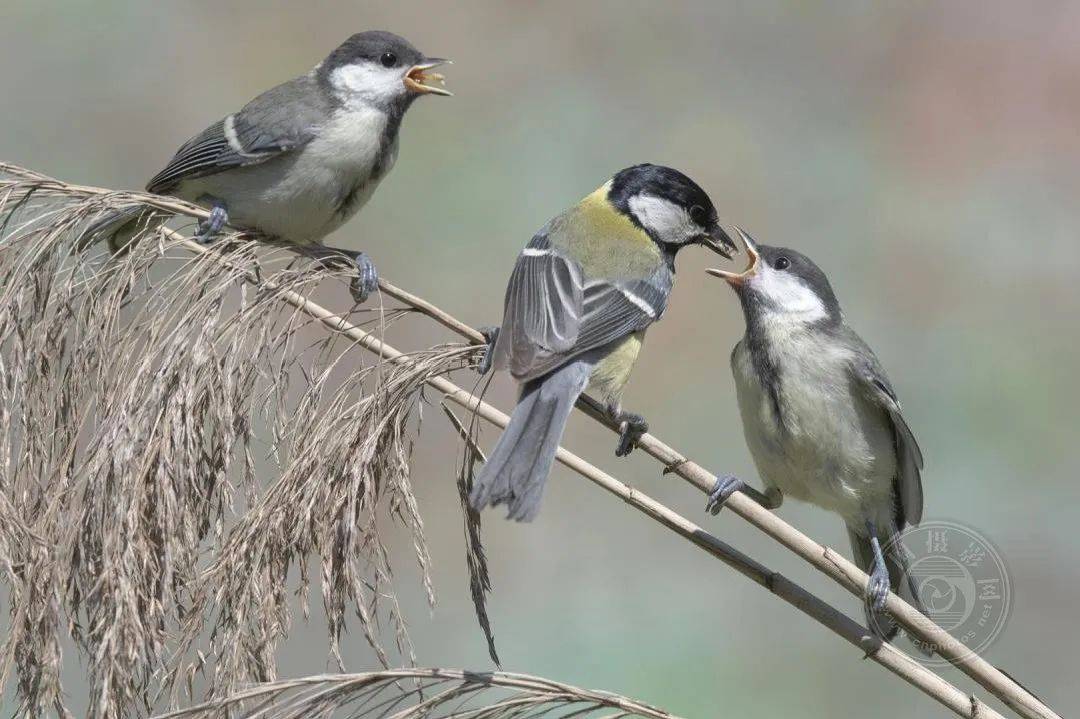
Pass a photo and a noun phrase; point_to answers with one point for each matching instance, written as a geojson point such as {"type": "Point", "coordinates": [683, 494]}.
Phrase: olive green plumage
{"type": "Point", "coordinates": [580, 298]}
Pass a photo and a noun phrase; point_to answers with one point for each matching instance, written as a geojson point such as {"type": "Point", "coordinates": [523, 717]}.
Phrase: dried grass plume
{"type": "Point", "coordinates": [178, 448]}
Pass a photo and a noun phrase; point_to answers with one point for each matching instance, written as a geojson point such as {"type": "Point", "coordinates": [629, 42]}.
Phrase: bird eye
{"type": "Point", "coordinates": [698, 215]}
{"type": "Point", "coordinates": [388, 59]}
{"type": "Point", "coordinates": [782, 263]}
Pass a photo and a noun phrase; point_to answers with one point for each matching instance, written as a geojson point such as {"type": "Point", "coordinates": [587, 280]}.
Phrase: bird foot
{"type": "Point", "coordinates": [491, 335]}
{"type": "Point", "coordinates": [366, 280]}
{"type": "Point", "coordinates": [877, 590]}
{"type": "Point", "coordinates": [726, 485]}
{"type": "Point", "coordinates": [631, 428]}
{"type": "Point", "coordinates": [211, 227]}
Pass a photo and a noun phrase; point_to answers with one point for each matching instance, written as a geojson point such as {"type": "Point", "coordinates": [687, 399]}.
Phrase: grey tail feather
{"type": "Point", "coordinates": [117, 227]}
{"type": "Point", "coordinates": [901, 580]}
{"type": "Point", "coordinates": [518, 467]}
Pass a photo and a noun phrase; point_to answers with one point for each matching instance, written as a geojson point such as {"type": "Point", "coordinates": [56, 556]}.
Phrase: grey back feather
{"type": "Point", "coordinates": [552, 313]}
{"type": "Point", "coordinates": [543, 309]}
{"type": "Point", "coordinates": [282, 119]}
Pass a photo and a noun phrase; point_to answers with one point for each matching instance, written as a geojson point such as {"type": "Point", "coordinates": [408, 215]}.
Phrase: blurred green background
{"type": "Point", "coordinates": [927, 155]}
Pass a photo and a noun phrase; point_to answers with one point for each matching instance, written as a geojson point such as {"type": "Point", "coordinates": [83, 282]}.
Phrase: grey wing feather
{"type": "Point", "coordinates": [551, 315]}
{"type": "Point", "coordinates": [271, 124]}
{"type": "Point", "coordinates": [909, 456]}
{"type": "Point", "coordinates": [201, 155]}
{"type": "Point", "coordinates": [542, 311]}
{"type": "Point", "coordinates": [610, 312]}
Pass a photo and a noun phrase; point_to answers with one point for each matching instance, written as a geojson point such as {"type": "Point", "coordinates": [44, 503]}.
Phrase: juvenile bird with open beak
{"type": "Point", "coordinates": [820, 417]}
{"type": "Point", "coordinates": [579, 300]}
{"type": "Point", "coordinates": [302, 158]}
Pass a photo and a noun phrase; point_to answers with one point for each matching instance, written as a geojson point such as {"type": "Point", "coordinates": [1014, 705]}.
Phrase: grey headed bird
{"type": "Point", "coordinates": [579, 300]}
{"type": "Point", "coordinates": [301, 158]}
{"type": "Point", "coordinates": [821, 419]}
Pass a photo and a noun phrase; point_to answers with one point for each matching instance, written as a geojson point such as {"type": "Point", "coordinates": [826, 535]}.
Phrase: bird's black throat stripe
{"type": "Point", "coordinates": [347, 205]}
{"type": "Point", "coordinates": [764, 366]}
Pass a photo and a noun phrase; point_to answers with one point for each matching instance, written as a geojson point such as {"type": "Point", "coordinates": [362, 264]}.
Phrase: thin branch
{"type": "Point", "coordinates": [883, 653]}
{"type": "Point", "coordinates": [492, 695]}
{"type": "Point", "coordinates": [826, 560]}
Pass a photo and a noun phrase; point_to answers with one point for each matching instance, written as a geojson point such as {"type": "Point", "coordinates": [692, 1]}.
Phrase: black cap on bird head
{"type": "Point", "coordinates": [670, 207]}
{"type": "Point", "coordinates": [781, 282]}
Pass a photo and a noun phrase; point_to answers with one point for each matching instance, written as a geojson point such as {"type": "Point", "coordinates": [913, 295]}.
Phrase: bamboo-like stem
{"type": "Point", "coordinates": [883, 653]}
{"type": "Point", "coordinates": [825, 559]}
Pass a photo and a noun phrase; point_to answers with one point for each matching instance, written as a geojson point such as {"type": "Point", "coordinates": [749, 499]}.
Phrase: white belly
{"type": "Point", "coordinates": [833, 448]}
{"type": "Point", "coordinates": [304, 195]}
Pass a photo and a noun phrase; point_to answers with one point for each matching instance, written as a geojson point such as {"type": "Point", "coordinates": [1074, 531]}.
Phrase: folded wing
{"type": "Point", "coordinates": [553, 314]}
{"type": "Point", "coordinates": [909, 459]}
{"type": "Point", "coordinates": [270, 125]}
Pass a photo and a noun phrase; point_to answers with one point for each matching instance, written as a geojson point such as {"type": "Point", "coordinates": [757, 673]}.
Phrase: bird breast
{"type": "Point", "coordinates": [809, 433]}
{"type": "Point", "coordinates": [611, 373]}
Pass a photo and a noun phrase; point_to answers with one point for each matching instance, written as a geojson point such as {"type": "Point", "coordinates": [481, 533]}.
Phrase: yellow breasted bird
{"type": "Point", "coordinates": [578, 303]}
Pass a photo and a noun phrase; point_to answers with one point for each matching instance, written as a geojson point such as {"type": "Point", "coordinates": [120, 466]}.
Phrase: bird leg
{"type": "Point", "coordinates": [491, 336]}
{"type": "Point", "coordinates": [877, 590]}
{"type": "Point", "coordinates": [210, 228]}
{"type": "Point", "coordinates": [366, 279]}
{"type": "Point", "coordinates": [631, 428]}
{"type": "Point", "coordinates": [728, 484]}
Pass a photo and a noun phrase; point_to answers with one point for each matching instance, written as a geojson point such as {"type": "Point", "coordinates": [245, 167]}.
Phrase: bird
{"type": "Point", "coordinates": [580, 297]}
{"type": "Point", "coordinates": [821, 419]}
{"type": "Point", "coordinates": [303, 157]}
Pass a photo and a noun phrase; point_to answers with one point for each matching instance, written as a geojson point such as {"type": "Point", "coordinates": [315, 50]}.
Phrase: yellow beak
{"type": "Point", "coordinates": [422, 82]}
{"type": "Point", "coordinates": [738, 278]}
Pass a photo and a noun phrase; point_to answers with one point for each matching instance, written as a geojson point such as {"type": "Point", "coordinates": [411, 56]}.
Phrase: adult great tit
{"type": "Point", "coordinates": [301, 158]}
{"type": "Point", "coordinates": [821, 419]}
{"type": "Point", "coordinates": [579, 300]}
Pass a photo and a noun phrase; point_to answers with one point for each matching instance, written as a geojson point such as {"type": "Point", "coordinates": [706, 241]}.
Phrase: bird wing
{"type": "Point", "coordinates": [553, 314]}
{"type": "Point", "coordinates": [871, 377]}
{"type": "Point", "coordinates": [270, 125]}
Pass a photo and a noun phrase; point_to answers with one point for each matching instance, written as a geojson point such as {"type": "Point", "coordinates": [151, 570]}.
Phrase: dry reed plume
{"type": "Point", "coordinates": [422, 694]}
{"type": "Point", "coordinates": [132, 516]}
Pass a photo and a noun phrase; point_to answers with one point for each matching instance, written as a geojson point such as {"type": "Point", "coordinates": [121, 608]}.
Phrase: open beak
{"type": "Point", "coordinates": [738, 278]}
{"type": "Point", "coordinates": [422, 82]}
{"type": "Point", "coordinates": [720, 242]}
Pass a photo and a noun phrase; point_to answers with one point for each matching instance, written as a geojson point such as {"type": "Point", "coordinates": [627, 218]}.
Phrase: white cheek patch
{"type": "Point", "coordinates": [664, 218]}
{"type": "Point", "coordinates": [367, 83]}
{"type": "Point", "coordinates": [786, 297]}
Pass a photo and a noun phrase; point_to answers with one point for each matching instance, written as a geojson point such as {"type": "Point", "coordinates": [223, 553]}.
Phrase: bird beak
{"type": "Point", "coordinates": [422, 82]}
{"type": "Point", "coordinates": [719, 242]}
{"type": "Point", "coordinates": [738, 278]}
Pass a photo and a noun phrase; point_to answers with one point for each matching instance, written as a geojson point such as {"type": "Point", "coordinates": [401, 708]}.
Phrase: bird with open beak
{"type": "Point", "coordinates": [821, 418]}
{"type": "Point", "coordinates": [579, 300]}
{"type": "Point", "coordinates": [302, 158]}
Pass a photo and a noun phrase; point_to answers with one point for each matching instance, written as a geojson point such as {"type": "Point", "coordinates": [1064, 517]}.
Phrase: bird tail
{"type": "Point", "coordinates": [117, 227]}
{"type": "Point", "coordinates": [518, 467]}
{"type": "Point", "coordinates": [901, 581]}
